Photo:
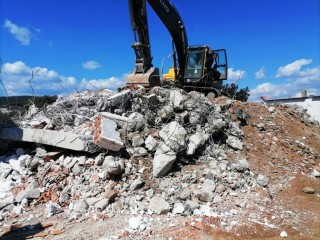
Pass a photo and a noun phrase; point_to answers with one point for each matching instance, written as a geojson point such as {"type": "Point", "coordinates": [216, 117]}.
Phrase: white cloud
{"type": "Point", "coordinates": [234, 75]}
{"type": "Point", "coordinates": [90, 65]}
{"type": "Point", "coordinates": [294, 79]}
{"type": "Point", "coordinates": [260, 74]}
{"type": "Point", "coordinates": [18, 67]}
{"type": "Point", "coordinates": [270, 90]}
{"type": "Point", "coordinates": [294, 72]}
{"type": "Point", "coordinates": [281, 90]}
{"type": "Point", "coordinates": [16, 77]}
{"type": "Point", "coordinates": [109, 83]}
{"type": "Point", "coordinates": [293, 69]}
{"type": "Point", "coordinates": [309, 76]}
{"type": "Point", "coordinates": [22, 34]}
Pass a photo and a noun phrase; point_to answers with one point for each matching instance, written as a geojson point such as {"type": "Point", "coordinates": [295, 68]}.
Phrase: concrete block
{"type": "Point", "coordinates": [105, 135]}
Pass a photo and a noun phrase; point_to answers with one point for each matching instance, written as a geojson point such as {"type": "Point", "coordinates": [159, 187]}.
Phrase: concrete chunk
{"type": "Point", "coordinates": [159, 205]}
{"type": "Point", "coordinates": [81, 206]}
{"type": "Point", "coordinates": [176, 99]}
{"type": "Point", "coordinates": [152, 100]}
{"type": "Point", "coordinates": [163, 160]}
{"type": "Point", "coordinates": [113, 166]}
{"type": "Point", "coordinates": [206, 193]}
{"type": "Point", "coordinates": [195, 141]}
{"type": "Point", "coordinates": [6, 201]}
{"type": "Point", "coordinates": [136, 122]}
{"type": "Point", "coordinates": [102, 204]}
{"type": "Point", "coordinates": [151, 143]}
{"type": "Point", "coordinates": [234, 142]}
{"type": "Point", "coordinates": [114, 117]}
{"type": "Point", "coordinates": [29, 193]}
{"type": "Point", "coordinates": [105, 135]}
{"type": "Point", "coordinates": [173, 134]}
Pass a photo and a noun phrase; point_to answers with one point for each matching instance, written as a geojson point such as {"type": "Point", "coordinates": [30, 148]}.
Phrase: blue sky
{"type": "Point", "coordinates": [273, 46]}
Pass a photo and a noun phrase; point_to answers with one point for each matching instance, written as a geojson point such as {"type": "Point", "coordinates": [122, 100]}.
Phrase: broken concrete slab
{"type": "Point", "coordinates": [114, 117]}
{"type": "Point", "coordinates": [114, 100]}
{"type": "Point", "coordinates": [119, 98]}
{"type": "Point", "coordinates": [54, 138]}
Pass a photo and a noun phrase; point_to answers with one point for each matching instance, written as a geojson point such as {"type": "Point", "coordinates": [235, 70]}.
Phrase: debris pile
{"type": "Point", "coordinates": [142, 153]}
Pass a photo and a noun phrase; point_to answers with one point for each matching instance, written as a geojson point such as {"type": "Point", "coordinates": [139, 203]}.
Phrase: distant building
{"type": "Point", "coordinates": [310, 103]}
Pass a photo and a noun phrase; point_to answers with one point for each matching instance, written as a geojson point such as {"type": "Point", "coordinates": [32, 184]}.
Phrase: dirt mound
{"type": "Point", "coordinates": [282, 144]}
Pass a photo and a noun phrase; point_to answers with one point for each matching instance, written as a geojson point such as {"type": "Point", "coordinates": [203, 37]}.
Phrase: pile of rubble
{"type": "Point", "coordinates": [164, 151]}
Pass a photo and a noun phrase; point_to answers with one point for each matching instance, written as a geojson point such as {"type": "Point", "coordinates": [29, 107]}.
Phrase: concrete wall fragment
{"type": "Point", "coordinates": [54, 138]}
{"type": "Point", "coordinates": [105, 135]}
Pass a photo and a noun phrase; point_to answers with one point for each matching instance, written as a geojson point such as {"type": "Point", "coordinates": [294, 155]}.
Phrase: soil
{"type": "Point", "coordinates": [280, 144]}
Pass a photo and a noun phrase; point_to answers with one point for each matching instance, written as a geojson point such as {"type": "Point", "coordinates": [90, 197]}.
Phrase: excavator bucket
{"type": "Point", "coordinates": [149, 79]}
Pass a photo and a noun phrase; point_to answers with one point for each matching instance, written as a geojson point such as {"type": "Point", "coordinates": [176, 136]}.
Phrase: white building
{"type": "Point", "coordinates": [311, 103]}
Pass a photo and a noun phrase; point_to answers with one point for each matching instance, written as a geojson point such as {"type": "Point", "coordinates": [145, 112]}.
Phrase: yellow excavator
{"type": "Point", "coordinates": [199, 67]}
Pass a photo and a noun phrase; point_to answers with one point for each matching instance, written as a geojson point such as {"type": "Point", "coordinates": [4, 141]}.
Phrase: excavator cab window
{"type": "Point", "coordinates": [195, 60]}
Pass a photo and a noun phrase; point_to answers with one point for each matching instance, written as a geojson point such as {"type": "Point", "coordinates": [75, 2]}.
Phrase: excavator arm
{"type": "Point", "coordinates": [139, 25]}
{"type": "Point", "coordinates": [144, 73]}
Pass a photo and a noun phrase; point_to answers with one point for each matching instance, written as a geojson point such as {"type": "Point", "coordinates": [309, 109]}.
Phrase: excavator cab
{"type": "Point", "coordinates": [205, 67]}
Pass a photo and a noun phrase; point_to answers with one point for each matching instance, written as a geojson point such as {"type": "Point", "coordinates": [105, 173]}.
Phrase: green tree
{"type": "Point", "coordinates": [232, 90]}
{"type": "Point", "coordinates": [46, 99]}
